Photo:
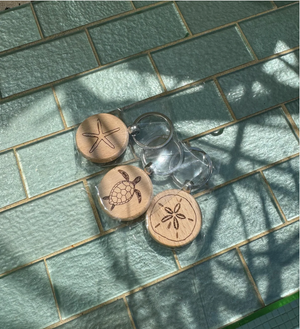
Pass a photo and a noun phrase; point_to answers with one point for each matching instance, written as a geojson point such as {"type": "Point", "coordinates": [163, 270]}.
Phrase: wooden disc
{"type": "Point", "coordinates": [125, 192]}
{"type": "Point", "coordinates": [102, 138]}
{"type": "Point", "coordinates": [174, 218]}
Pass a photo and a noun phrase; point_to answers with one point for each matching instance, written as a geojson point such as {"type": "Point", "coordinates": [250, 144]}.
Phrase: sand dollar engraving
{"type": "Point", "coordinates": [102, 138]}
{"type": "Point", "coordinates": [174, 218]}
{"type": "Point", "coordinates": [125, 192]}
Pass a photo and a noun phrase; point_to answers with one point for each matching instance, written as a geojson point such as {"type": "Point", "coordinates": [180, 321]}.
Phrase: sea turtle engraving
{"type": "Point", "coordinates": [123, 191]}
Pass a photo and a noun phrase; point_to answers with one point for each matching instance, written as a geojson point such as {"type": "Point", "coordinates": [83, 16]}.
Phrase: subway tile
{"type": "Point", "coordinates": [45, 225]}
{"type": "Point", "coordinates": [248, 145]}
{"type": "Point", "coordinates": [201, 57]}
{"type": "Point", "coordinates": [293, 108]}
{"type": "Point", "coordinates": [192, 111]}
{"type": "Point", "coordinates": [280, 31]}
{"type": "Point", "coordinates": [283, 3]}
{"type": "Point", "coordinates": [108, 89]}
{"type": "Point", "coordinates": [284, 182]}
{"type": "Point", "coordinates": [111, 316]}
{"type": "Point", "coordinates": [10, 181]}
{"type": "Point", "coordinates": [44, 63]}
{"type": "Point", "coordinates": [138, 32]}
{"type": "Point", "coordinates": [209, 295]}
{"type": "Point", "coordinates": [263, 85]}
{"type": "Point", "coordinates": [17, 28]}
{"type": "Point", "coordinates": [204, 15]}
{"type": "Point", "coordinates": [106, 268]}
{"type": "Point", "coordinates": [231, 214]}
{"type": "Point", "coordinates": [54, 162]}
{"type": "Point", "coordinates": [26, 299]}
{"type": "Point", "coordinates": [56, 17]}
{"type": "Point", "coordinates": [139, 4]}
{"type": "Point", "coordinates": [273, 261]}
{"type": "Point", "coordinates": [27, 118]}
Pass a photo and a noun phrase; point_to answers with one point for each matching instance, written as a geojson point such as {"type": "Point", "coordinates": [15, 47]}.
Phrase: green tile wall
{"type": "Point", "coordinates": [279, 34]}
{"type": "Point", "coordinates": [17, 28]}
{"type": "Point", "coordinates": [106, 268]}
{"type": "Point", "coordinates": [108, 89]}
{"type": "Point", "coordinates": [283, 3]}
{"type": "Point", "coordinates": [273, 261]}
{"type": "Point", "coordinates": [139, 4]}
{"type": "Point", "coordinates": [293, 108]}
{"type": "Point", "coordinates": [204, 15]}
{"type": "Point", "coordinates": [27, 118]}
{"type": "Point", "coordinates": [263, 85]}
{"type": "Point", "coordinates": [26, 299]}
{"type": "Point", "coordinates": [103, 318]}
{"type": "Point", "coordinates": [201, 57]}
{"type": "Point", "coordinates": [133, 34]}
{"type": "Point", "coordinates": [55, 17]}
{"type": "Point", "coordinates": [284, 181]}
{"type": "Point", "coordinates": [45, 225]}
{"type": "Point", "coordinates": [202, 297]}
{"type": "Point", "coordinates": [231, 215]}
{"type": "Point", "coordinates": [11, 185]}
{"type": "Point", "coordinates": [192, 111]}
{"type": "Point", "coordinates": [249, 145]}
{"type": "Point", "coordinates": [44, 63]}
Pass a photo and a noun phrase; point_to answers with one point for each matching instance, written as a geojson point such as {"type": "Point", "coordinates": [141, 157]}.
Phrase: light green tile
{"type": "Point", "coordinates": [45, 225]}
{"type": "Point", "coordinates": [139, 4]}
{"type": "Point", "coordinates": [261, 86]}
{"type": "Point", "coordinates": [111, 316]}
{"type": "Point", "coordinates": [29, 117]}
{"type": "Point", "coordinates": [107, 267]}
{"type": "Point", "coordinates": [54, 162]}
{"type": "Point", "coordinates": [133, 34]}
{"type": "Point", "coordinates": [273, 261]}
{"type": "Point", "coordinates": [248, 145]}
{"type": "Point", "coordinates": [26, 299]}
{"type": "Point", "coordinates": [10, 181]}
{"type": "Point", "coordinates": [108, 89]}
{"type": "Point", "coordinates": [283, 3]}
{"type": "Point", "coordinates": [209, 295]}
{"type": "Point", "coordinates": [192, 111]}
{"type": "Point", "coordinates": [293, 108]}
{"type": "Point", "coordinates": [59, 16]}
{"type": "Point", "coordinates": [284, 182]}
{"type": "Point", "coordinates": [231, 215]}
{"type": "Point", "coordinates": [44, 63]}
{"type": "Point", "coordinates": [201, 57]}
{"type": "Point", "coordinates": [17, 28]}
{"type": "Point", "coordinates": [280, 31]}
{"type": "Point", "coordinates": [204, 15]}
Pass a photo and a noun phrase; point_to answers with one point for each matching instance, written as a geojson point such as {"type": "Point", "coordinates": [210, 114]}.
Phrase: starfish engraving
{"type": "Point", "coordinates": [101, 136]}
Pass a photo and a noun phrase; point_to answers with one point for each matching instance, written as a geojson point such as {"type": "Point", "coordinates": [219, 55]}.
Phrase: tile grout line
{"type": "Point", "coordinates": [243, 37]}
{"type": "Point", "coordinates": [273, 4]}
{"type": "Point", "coordinates": [129, 312]}
{"type": "Point", "coordinates": [132, 4]}
{"type": "Point", "coordinates": [225, 99]}
{"type": "Point", "coordinates": [52, 288]}
{"type": "Point", "coordinates": [36, 21]}
{"type": "Point", "coordinates": [92, 46]}
{"type": "Point", "coordinates": [92, 203]}
{"type": "Point", "coordinates": [250, 277]}
{"type": "Point", "coordinates": [290, 119]}
{"type": "Point", "coordinates": [21, 173]}
{"type": "Point", "coordinates": [273, 196]}
{"type": "Point", "coordinates": [59, 108]}
{"type": "Point", "coordinates": [157, 72]}
{"type": "Point", "coordinates": [176, 259]}
{"type": "Point", "coordinates": [182, 18]}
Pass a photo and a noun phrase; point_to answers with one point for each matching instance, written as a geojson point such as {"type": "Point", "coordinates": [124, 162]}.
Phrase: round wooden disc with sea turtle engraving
{"type": "Point", "coordinates": [102, 138]}
{"type": "Point", "coordinates": [174, 218]}
{"type": "Point", "coordinates": [125, 192]}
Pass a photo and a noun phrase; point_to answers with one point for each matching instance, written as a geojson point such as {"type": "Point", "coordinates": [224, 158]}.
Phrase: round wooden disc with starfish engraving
{"type": "Point", "coordinates": [125, 192]}
{"type": "Point", "coordinates": [174, 218]}
{"type": "Point", "coordinates": [102, 138]}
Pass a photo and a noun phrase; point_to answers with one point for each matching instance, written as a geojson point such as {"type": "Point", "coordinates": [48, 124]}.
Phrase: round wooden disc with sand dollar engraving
{"type": "Point", "coordinates": [174, 218]}
{"type": "Point", "coordinates": [102, 138]}
{"type": "Point", "coordinates": [125, 192]}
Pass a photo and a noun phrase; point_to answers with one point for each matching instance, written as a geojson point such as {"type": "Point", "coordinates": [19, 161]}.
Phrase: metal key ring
{"type": "Point", "coordinates": [134, 129]}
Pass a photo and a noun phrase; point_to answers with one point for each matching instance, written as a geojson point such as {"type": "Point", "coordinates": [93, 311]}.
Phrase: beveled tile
{"type": "Point", "coordinates": [293, 108]}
